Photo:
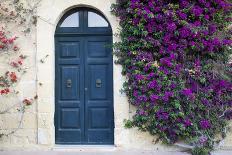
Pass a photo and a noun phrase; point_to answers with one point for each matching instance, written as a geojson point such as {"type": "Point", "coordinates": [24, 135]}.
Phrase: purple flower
{"type": "Point", "coordinates": [216, 42]}
{"type": "Point", "coordinates": [197, 62]}
{"type": "Point", "coordinates": [197, 11]}
{"type": "Point", "coordinates": [223, 84]}
{"type": "Point", "coordinates": [205, 102]}
{"type": "Point", "coordinates": [147, 10]}
{"type": "Point", "coordinates": [167, 96]}
{"type": "Point", "coordinates": [197, 23]}
{"type": "Point", "coordinates": [141, 112]}
{"type": "Point", "coordinates": [139, 77]}
{"type": "Point", "coordinates": [135, 93]}
{"type": "Point", "coordinates": [166, 62]}
{"type": "Point", "coordinates": [171, 27]}
{"type": "Point", "coordinates": [202, 1]}
{"type": "Point", "coordinates": [184, 32]}
{"type": "Point", "coordinates": [156, 43]}
{"type": "Point", "coordinates": [144, 89]}
{"type": "Point", "coordinates": [162, 115]}
{"type": "Point", "coordinates": [152, 84]}
{"type": "Point", "coordinates": [135, 21]}
{"type": "Point", "coordinates": [169, 13]}
{"type": "Point", "coordinates": [172, 56]}
{"type": "Point", "coordinates": [187, 122]}
{"type": "Point", "coordinates": [164, 70]}
{"type": "Point", "coordinates": [167, 38]}
{"type": "Point", "coordinates": [154, 97]}
{"type": "Point", "coordinates": [192, 43]}
{"type": "Point", "coordinates": [149, 28]}
{"type": "Point", "coordinates": [187, 93]}
{"type": "Point", "coordinates": [205, 32]}
{"type": "Point", "coordinates": [151, 75]}
{"type": "Point", "coordinates": [205, 124]}
{"type": "Point", "coordinates": [143, 98]}
{"type": "Point", "coordinates": [208, 4]}
{"type": "Point", "coordinates": [227, 42]}
{"type": "Point", "coordinates": [182, 15]}
{"type": "Point", "coordinates": [159, 18]}
{"type": "Point", "coordinates": [173, 86]}
{"type": "Point", "coordinates": [147, 67]}
{"type": "Point", "coordinates": [157, 9]}
{"type": "Point", "coordinates": [212, 28]}
{"type": "Point", "coordinates": [184, 3]}
{"type": "Point", "coordinates": [150, 4]}
{"type": "Point", "coordinates": [172, 47]}
{"type": "Point", "coordinates": [206, 17]}
{"type": "Point", "coordinates": [178, 69]}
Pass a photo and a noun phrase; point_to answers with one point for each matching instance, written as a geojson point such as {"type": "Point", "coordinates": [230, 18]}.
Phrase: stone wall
{"type": "Point", "coordinates": [26, 136]}
{"type": "Point", "coordinates": [37, 130]}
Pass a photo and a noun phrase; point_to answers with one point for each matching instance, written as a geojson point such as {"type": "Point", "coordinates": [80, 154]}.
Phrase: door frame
{"type": "Point", "coordinates": [45, 75]}
{"type": "Point", "coordinates": [83, 31]}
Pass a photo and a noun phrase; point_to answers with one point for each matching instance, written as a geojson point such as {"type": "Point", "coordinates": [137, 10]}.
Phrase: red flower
{"type": "Point", "coordinates": [4, 40]}
{"type": "Point", "coordinates": [4, 91]}
{"type": "Point", "coordinates": [14, 64]}
{"type": "Point", "coordinates": [20, 62]}
{"type": "Point", "coordinates": [7, 90]}
{"type": "Point", "coordinates": [13, 77]}
{"type": "Point", "coordinates": [27, 102]}
{"type": "Point", "coordinates": [16, 48]}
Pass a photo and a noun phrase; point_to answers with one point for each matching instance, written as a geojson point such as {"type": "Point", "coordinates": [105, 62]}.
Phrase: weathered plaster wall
{"type": "Point", "coordinates": [38, 129]}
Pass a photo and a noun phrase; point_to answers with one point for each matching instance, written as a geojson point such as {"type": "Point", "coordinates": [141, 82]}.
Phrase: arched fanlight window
{"type": "Point", "coordinates": [83, 21]}
{"type": "Point", "coordinates": [71, 21]}
{"type": "Point", "coordinates": [95, 20]}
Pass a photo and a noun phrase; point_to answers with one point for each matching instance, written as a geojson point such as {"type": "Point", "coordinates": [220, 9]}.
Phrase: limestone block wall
{"type": "Point", "coordinates": [26, 136]}
{"type": "Point", "coordinates": [37, 130]}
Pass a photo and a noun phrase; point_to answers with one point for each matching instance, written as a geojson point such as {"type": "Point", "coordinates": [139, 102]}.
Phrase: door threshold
{"type": "Point", "coordinates": [84, 148]}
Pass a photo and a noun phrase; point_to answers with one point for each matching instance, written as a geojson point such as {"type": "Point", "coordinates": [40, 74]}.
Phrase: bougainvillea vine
{"type": "Point", "coordinates": [176, 57]}
{"type": "Point", "coordinates": [16, 17]}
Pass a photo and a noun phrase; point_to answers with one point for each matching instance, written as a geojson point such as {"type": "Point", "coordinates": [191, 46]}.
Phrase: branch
{"type": "Point", "coordinates": [21, 118]}
{"type": "Point", "coordinates": [20, 122]}
{"type": "Point", "coordinates": [223, 114]}
{"type": "Point", "coordinates": [8, 109]}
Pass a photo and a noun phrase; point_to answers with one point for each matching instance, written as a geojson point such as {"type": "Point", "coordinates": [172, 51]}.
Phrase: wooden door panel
{"type": "Point", "coordinates": [70, 83]}
{"type": "Point", "coordinates": [84, 90]}
{"type": "Point", "coordinates": [69, 117]}
{"type": "Point", "coordinates": [99, 97]}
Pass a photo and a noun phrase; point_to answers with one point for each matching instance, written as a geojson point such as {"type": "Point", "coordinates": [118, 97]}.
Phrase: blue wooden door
{"type": "Point", "coordinates": [84, 88]}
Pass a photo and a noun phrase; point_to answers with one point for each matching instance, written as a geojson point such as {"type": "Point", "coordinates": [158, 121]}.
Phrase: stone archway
{"type": "Point", "coordinates": [49, 15]}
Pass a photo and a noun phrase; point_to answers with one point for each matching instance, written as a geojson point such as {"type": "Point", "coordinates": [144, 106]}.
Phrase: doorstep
{"type": "Point", "coordinates": [84, 148]}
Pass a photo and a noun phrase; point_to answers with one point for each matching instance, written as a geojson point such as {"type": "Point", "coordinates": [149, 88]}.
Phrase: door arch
{"type": "Point", "coordinates": [84, 79]}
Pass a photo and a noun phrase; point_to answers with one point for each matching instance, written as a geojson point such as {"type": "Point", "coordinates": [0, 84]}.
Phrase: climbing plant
{"type": "Point", "coordinates": [16, 16]}
{"type": "Point", "coordinates": [176, 57]}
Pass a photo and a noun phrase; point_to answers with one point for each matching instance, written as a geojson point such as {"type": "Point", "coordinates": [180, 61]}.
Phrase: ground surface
{"type": "Point", "coordinates": [96, 152]}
